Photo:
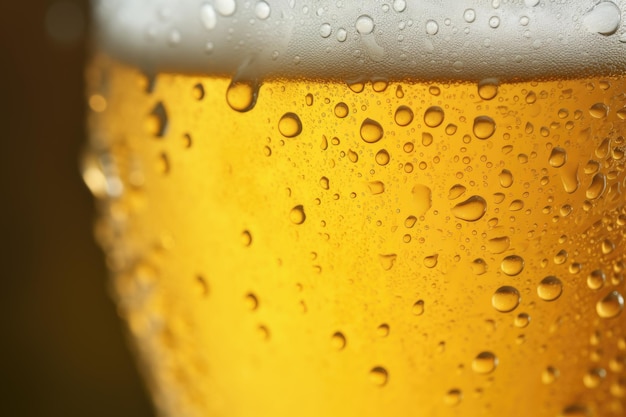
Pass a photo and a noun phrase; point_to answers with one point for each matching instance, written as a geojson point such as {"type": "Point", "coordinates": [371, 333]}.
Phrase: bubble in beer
{"type": "Point", "coordinates": [432, 27]}
{"type": "Point", "coordinates": [488, 88]}
{"type": "Point", "coordinates": [290, 125]}
{"type": "Point", "coordinates": [512, 265]}
{"type": "Point", "coordinates": [379, 376]}
{"type": "Point", "coordinates": [403, 116]}
{"type": "Point", "coordinates": [604, 18]}
{"type": "Point", "coordinates": [549, 375]}
{"type": "Point", "coordinates": [484, 127]}
{"type": "Point", "coordinates": [296, 215]}
{"type": "Point", "coordinates": [418, 308]}
{"type": "Point", "coordinates": [241, 96]}
{"type": "Point", "coordinates": [469, 15]}
{"type": "Point", "coordinates": [597, 186]}
{"type": "Point", "coordinates": [594, 377]}
{"type": "Point", "coordinates": [610, 306]}
{"type": "Point", "coordinates": [453, 397]}
{"type": "Point", "coordinates": [262, 10]}
{"type": "Point", "coordinates": [599, 110]}
{"type": "Point", "coordinates": [596, 279]}
{"type": "Point", "coordinates": [522, 320]}
{"type": "Point", "coordinates": [484, 363]}
{"type": "Point", "coordinates": [341, 110]}
{"type": "Point", "coordinates": [433, 116]}
{"type": "Point", "coordinates": [505, 299]}
{"type": "Point", "coordinates": [338, 341]}
{"type": "Point", "coordinates": [371, 131]}
{"type": "Point", "coordinates": [558, 157]}
{"type": "Point", "coordinates": [550, 288]}
{"type": "Point", "coordinates": [382, 157]}
{"type": "Point", "coordinates": [471, 209]}
{"type": "Point", "coordinates": [364, 25]}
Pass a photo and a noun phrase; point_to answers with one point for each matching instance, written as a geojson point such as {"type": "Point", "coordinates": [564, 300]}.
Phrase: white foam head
{"type": "Point", "coordinates": [368, 39]}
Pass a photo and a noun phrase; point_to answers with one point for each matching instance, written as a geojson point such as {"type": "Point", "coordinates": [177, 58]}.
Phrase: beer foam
{"type": "Point", "coordinates": [369, 39]}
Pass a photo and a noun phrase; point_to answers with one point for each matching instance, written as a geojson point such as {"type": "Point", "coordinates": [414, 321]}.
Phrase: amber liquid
{"type": "Point", "coordinates": [386, 249]}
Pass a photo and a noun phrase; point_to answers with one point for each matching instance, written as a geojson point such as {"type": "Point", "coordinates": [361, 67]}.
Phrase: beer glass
{"type": "Point", "coordinates": [375, 208]}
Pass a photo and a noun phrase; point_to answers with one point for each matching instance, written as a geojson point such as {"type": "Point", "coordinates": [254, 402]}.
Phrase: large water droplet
{"type": "Point", "coordinates": [506, 178]}
{"type": "Point", "coordinates": [522, 320]}
{"type": "Point", "coordinates": [550, 288]}
{"type": "Point", "coordinates": [225, 7]}
{"type": "Point", "coordinates": [403, 116]}
{"type": "Point", "coordinates": [604, 18]}
{"type": "Point", "coordinates": [558, 157]}
{"type": "Point", "coordinates": [290, 125]}
{"type": "Point", "coordinates": [418, 308]}
{"type": "Point", "coordinates": [432, 27]}
{"type": "Point", "coordinates": [505, 299]}
{"type": "Point", "coordinates": [371, 131]}
{"type": "Point", "coordinates": [469, 15]}
{"type": "Point", "coordinates": [471, 209]}
{"type": "Point", "coordinates": [379, 376]}
{"type": "Point", "coordinates": [611, 305]}
{"type": "Point", "coordinates": [597, 186]}
{"type": "Point", "coordinates": [596, 279]}
{"type": "Point", "coordinates": [262, 10]}
{"type": "Point", "coordinates": [433, 116]}
{"type": "Point", "coordinates": [488, 88]}
{"type": "Point", "coordinates": [512, 265]}
{"type": "Point", "coordinates": [296, 215]}
{"type": "Point", "coordinates": [208, 17]}
{"type": "Point", "coordinates": [484, 127]}
{"type": "Point", "coordinates": [484, 363]}
{"type": "Point", "coordinates": [364, 25]}
{"type": "Point", "coordinates": [599, 110]}
{"type": "Point", "coordinates": [341, 110]}
{"type": "Point", "coordinates": [242, 95]}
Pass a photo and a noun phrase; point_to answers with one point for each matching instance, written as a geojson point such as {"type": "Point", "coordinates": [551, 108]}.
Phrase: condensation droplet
{"type": "Point", "coordinates": [456, 191]}
{"type": "Point", "coordinates": [262, 10]}
{"type": "Point", "coordinates": [471, 209]}
{"type": "Point", "coordinates": [338, 341]}
{"type": "Point", "coordinates": [296, 215]}
{"type": "Point", "coordinates": [505, 299]}
{"type": "Point", "coordinates": [494, 21]}
{"type": "Point", "coordinates": [418, 308]}
{"type": "Point", "coordinates": [479, 266]}
{"type": "Point", "coordinates": [611, 305]}
{"type": "Point", "coordinates": [246, 238]}
{"type": "Point", "coordinates": [469, 15]}
{"type": "Point", "coordinates": [499, 244]}
{"type": "Point", "coordinates": [252, 301]}
{"type": "Point", "coordinates": [488, 88]}
{"type": "Point", "coordinates": [341, 110]}
{"type": "Point", "coordinates": [597, 186]}
{"type": "Point", "coordinates": [512, 265]}
{"type": "Point", "coordinates": [506, 178]}
{"type": "Point", "coordinates": [342, 35]}
{"type": "Point", "coordinates": [599, 110]}
{"type": "Point", "coordinates": [371, 131]}
{"type": "Point", "coordinates": [453, 397]}
{"type": "Point", "coordinates": [431, 261]}
{"type": "Point", "coordinates": [208, 17]}
{"type": "Point", "coordinates": [325, 183]}
{"type": "Point", "coordinates": [604, 18]}
{"type": "Point", "coordinates": [594, 377]}
{"type": "Point", "coordinates": [399, 5]}
{"type": "Point", "coordinates": [484, 363]}
{"type": "Point", "coordinates": [422, 198]}
{"type": "Point", "coordinates": [387, 261]}
{"type": "Point", "coordinates": [198, 91]}
{"type": "Point", "coordinates": [379, 376]}
{"type": "Point", "coordinates": [596, 279]}
{"type": "Point", "coordinates": [550, 288]}
{"type": "Point", "coordinates": [383, 330]}
{"type": "Point", "coordinates": [484, 127]}
{"type": "Point", "coordinates": [433, 116]}
{"type": "Point", "coordinates": [241, 96]}
{"type": "Point", "coordinates": [364, 25]}
{"type": "Point", "coordinates": [522, 320]}
{"type": "Point", "coordinates": [382, 157]}
{"type": "Point", "coordinates": [427, 139]}
{"type": "Point", "coordinates": [325, 30]}
{"type": "Point", "coordinates": [558, 157]}
{"type": "Point", "coordinates": [157, 121]}
{"type": "Point", "coordinates": [549, 375]}
{"type": "Point", "coordinates": [225, 7]}
{"type": "Point", "coordinates": [403, 116]}
{"type": "Point", "coordinates": [376, 187]}
{"type": "Point", "coordinates": [290, 125]}
{"type": "Point", "coordinates": [432, 27]}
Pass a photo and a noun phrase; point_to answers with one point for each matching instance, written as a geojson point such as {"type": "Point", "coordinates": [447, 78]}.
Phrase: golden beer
{"type": "Point", "coordinates": [315, 247]}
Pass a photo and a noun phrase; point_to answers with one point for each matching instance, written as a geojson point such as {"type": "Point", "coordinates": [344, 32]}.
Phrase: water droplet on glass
{"type": "Point", "coordinates": [484, 363]}
{"type": "Point", "coordinates": [431, 261]}
{"type": "Point", "coordinates": [506, 178]}
{"type": "Point", "coordinates": [494, 21]}
{"type": "Point", "coordinates": [379, 376]}
{"type": "Point", "coordinates": [208, 17]}
{"type": "Point", "coordinates": [418, 308]}
{"type": "Point", "coordinates": [364, 25]}
{"type": "Point", "coordinates": [246, 238]}
{"type": "Point", "coordinates": [594, 377]}
{"type": "Point", "coordinates": [453, 397]}
{"type": "Point", "coordinates": [498, 244]}
{"type": "Point", "coordinates": [512, 265]}
{"type": "Point", "coordinates": [550, 288]}
{"type": "Point", "coordinates": [488, 88]}
{"type": "Point", "coordinates": [522, 320]}
{"type": "Point", "coordinates": [403, 116]}
{"type": "Point", "coordinates": [252, 301]}
{"type": "Point", "coordinates": [387, 261]}
{"type": "Point", "coordinates": [433, 116]}
{"type": "Point", "coordinates": [611, 305]}
{"type": "Point", "coordinates": [607, 247]}
{"type": "Point", "coordinates": [427, 138]}
{"type": "Point", "coordinates": [471, 209]}
{"type": "Point", "coordinates": [432, 27]}
{"type": "Point", "coordinates": [342, 35]}
{"type": "Point", "coordinates": [469, 15]}
{"type": "Point", "coordinates": [604, 18]}
{"type": "Point", "coordinates": [505, 299]}
{"type": "Point", "coordinates": [225, 7]}
{"type": "Point", "coordinates": [371, 131]}
{"type": "Point", "coordinates": [596, 279]}
{"type": "Point", "coordinates": [597, 186]}
{"type": "Point", "coordinates": [383, 330]}
{"type": "Point", "coordinates": [399, 5]}
{"type": "Point", "coordinates": [325, 183]}
{"type": "Point", "coordinates": [549, 375]}
{"type": "Point", "coordinates": [338, 341]}
{"type": "Point", "coordinates": [296, 215]}
{"type": "Point", "coordinates": [289, 125]}
{"type": "Point", "coordinates": [422, 198]}
{"type": "Point", "coordinates": [376, 187]}
{"type": "Point", "coordinates": [558, 157]}
{"type": "Point", "coordinates": [599, 110]}
{"type": "Point", "coordinates": [352, 156]}
{"type": "Point", "coordinates": [484, 127]}
{"type": "Point", "coordinates": [262, 10]}
{"type": "Point", "coordinates": [456, 191]}
{"type": "Point", "coordinates": [479, 266]}
{"type": "Point", "coordinates": [382, 157]}
{"type": "Point", "coordinates": [341, 110]}
{"type": "Point", "coordinates": [241, 96]}
{"type": "Point", "coordinates": [156, 124]}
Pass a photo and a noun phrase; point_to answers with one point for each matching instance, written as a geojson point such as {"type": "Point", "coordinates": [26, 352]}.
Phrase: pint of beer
{"type": "Point", "coordinates": [372, 208]}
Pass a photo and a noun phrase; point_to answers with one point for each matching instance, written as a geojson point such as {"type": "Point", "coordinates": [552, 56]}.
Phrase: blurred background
{"type": "Point", "coordinates": [63, 348]}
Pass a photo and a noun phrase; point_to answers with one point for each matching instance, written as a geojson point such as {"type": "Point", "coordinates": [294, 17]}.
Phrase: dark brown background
{"type": "Point", "coordinates": [62, 349]}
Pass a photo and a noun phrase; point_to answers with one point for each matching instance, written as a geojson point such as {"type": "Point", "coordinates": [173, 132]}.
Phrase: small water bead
{"type": "Point", "coordinates": [484, 363]}
{"type": "Point", "coordinates": [433, 116]}
{"type": "Point", "coordinates": [604, 18]}
{"type": "Point", "coordinates": [427, 139]}
{"type": "Point", "coordinates": [379, 376]}
{"type": "Point", "coordinates": [262, 10]}
{"type": "Point", "coordinates": [596, 279]}
{"type": "Point", "coordinates": [484, 127]}
{"type": "Point", "coordinates": [431, 261]}
{"type": "Point", "coordinates": [512, 265]}
{"type": "Point", "coordinates": [418, 308]}
{"type": "Point", "coordinates": [607, 246]}
{"type": "Point", "coordinates": [434, 90]}
{"type": "Point", "coordinates": [611, 305]}
{"type": "Point", "coordinates": [522, 320]}
{"type": "Point", "coordinates": [560, 257]}
{"type": "Point", "coordinates": [506, 178]}
{"type": "Point", "coordinates": [471, 209]}
{"type": "Point", "coordinates": [469, 15]}
{"type": "Point", "coordinates": [456, 191]}
{"type": "Point", "coordinates": [408, 147]}
{"type": "Point", "coordinates": [410, 222]}
{"type": "Point", "coordinates": [290, 125]}
{"type": "Point", "coordinates": [516, 205]}
{"type": "Point", "coordinates": [594, 377]}
{"type": "Point", "coordinates": [599, 110]}
{"type": "Point", "coordinates": [198, 91]}
{"type": "Point", "coordinates": [342, 35]}
{"type": "Point", "coordinates": [246, 238]}
{"type": "Point", "coordinates": [617, 364]}
{"type": "Point", "coordinates": [453, 397]}
{"type": "Point", "coordinates": [341, 110]}
{"type": "Point", "coordinates": [163, 163]}
{"type": "Point", "coordinates": [479, 266]}
{"type": "Point", "coordinates": [364, 25]}
{"type": "Point", "coordinates": [488, 88]}
{"type": "Point", "coordinates": [208, 17]}
{"type": "Point", "coordinates": [376, 187]}
{"type": "Point", "coordinates": [241, 96]}
{"type": "Point", "coordinates": [383, 330]}
{"type": "Point", "coordinates": [494, 22]}
{"type": "Point", "coordinates": [403, 115]}
{"type": "Point", "coordinates": [505, 299]}
{"type": "Point", "coordinates": [296, 215]}
{"type": "Point", "coordinates": [558, 157]}
{"type": "Point", "coordinates": [597, 186]}
{"type": "Point", "coordinates": [325, 183]}
{"type": "Point", "coordinates": [352, 156]}
{"type": "Point", "coordinates": [387, 261]}
{"type": "Point", "coordinates": [399, 5]}
{"type": "Point", "coordinates": [371, 131]}
{"type": "Point", "coordinates": [549, 375]}
{"type": "Point", "coordinates": [550, 288]}
{"type": "Point", "coordinates": [225, 7]}
{"type": "Point", "coordinates": [432, 27]}
{"type": "Point", "coordinates": [382, 157]}
{"type": "Point", "coordinates": [338, 341]}
{"type": "Point", "coordinates": [251, 301]}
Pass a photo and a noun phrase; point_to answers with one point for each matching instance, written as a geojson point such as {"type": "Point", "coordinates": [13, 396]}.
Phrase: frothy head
{"type": "Point", "coordinates": [348, 40]}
